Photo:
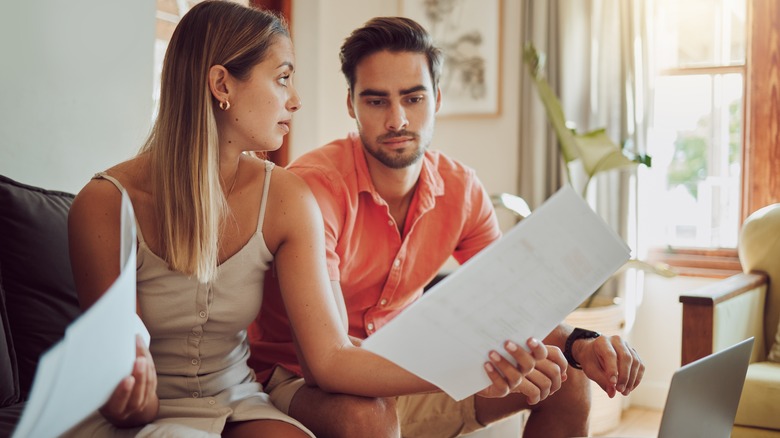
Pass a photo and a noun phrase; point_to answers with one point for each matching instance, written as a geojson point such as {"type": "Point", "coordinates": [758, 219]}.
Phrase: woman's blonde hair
{"type": "Point", "coordinates": [183, 145]}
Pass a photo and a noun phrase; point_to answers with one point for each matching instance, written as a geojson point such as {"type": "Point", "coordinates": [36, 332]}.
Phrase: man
{"type": "Point", "coordinates": [394, 211]}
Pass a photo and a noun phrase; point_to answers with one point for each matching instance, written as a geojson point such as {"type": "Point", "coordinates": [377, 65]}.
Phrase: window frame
{"type": "Point", "coordinates": [760, 140]}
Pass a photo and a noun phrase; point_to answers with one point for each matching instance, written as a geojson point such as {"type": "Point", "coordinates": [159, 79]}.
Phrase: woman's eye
{"type": "Point", "coordinates": [283, 80]}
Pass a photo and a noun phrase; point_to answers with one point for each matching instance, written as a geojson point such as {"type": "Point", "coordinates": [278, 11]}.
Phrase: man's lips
{"type": "Point", "coordinates": [397, 141]}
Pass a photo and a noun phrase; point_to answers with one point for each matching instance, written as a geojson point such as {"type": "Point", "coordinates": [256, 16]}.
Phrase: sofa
{"type": "Point", "coordinates": [37, 296]}
{"type": "Point", "coordinates": [744, 305]}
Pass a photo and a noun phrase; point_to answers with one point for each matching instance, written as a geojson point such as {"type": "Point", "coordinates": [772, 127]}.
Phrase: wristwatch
{"type": "Point", "coordinates": [577, 333]}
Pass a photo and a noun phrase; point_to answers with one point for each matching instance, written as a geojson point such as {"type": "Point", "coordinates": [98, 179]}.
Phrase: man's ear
{"type": "Point", "coordinates": [438, 98]}
{"type": "Point", "coordinates": [218, 82]}
{"type": "Point", "coordinates": [350, 107]}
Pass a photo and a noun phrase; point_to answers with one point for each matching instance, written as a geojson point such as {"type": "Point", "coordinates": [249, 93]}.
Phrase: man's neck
{"type": "Point", "coordinates": [395, 186]}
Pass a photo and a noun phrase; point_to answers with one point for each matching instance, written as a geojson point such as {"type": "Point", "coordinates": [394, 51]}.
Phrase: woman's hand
{"type": "Point", "coordinates": [134, 402]}
{"type": "Point", "coordinates": [507, 377]}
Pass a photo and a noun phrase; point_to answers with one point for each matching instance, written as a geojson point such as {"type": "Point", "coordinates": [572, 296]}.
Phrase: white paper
{"type": "Point", "coordinates": [78, 374]}
{"type": "Point", "coordinates": [521, 286]}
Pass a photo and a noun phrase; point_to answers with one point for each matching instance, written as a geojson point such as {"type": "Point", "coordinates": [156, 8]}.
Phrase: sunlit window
{"type": "Point", "coordinates": [690, 197]}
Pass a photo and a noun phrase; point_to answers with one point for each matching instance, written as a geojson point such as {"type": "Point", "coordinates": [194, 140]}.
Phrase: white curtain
{"type": "Point", "coordinates": [597, 62]}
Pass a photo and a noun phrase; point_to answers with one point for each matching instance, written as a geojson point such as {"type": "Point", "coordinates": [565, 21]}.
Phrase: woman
{"type": "Point", "coordinates": [210, 218]}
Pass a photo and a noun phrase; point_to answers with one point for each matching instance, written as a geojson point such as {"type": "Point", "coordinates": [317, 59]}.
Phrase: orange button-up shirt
{"type": "Point", "coordinates": [381, 271]}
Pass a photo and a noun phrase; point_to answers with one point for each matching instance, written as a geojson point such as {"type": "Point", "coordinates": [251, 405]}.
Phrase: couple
{"type": "Point", "coordinates": [341, 242]}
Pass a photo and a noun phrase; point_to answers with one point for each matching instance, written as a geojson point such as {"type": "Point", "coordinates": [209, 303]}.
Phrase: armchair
{"type": "Point", "coordinates": [744, 305]}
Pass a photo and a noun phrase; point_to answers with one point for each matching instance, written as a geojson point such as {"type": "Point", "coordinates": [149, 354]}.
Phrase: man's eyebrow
{"type": "Point", "coordinates": [414, 89]}
{"type": "Point", "coordinates": [372, 92]}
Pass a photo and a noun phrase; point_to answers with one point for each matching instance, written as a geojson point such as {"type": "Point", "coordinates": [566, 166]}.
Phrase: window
{"type": "Point", "coordinates": [691, 196]}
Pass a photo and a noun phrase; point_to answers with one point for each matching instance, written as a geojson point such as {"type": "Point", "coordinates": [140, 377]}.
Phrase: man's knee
{"type": "Point", "coordinates": [574, 395]}
{"type": "Point", "coordinates": [365, 416]}
{"type": "Point", "coordinates": [338, 415]}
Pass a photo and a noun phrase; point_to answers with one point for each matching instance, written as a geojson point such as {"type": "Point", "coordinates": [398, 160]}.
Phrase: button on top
{"type": "Point", "coordinates": [202, 314]}
{"type": "Point", "coordinates": [390, 223]}
{"type": "Point", "coordinates": [370, 326]}
{"type": "Point", "coordinates": [211, 402]}
{"type": "Point", "coordinates": [194, 361]}
{"type": "Point", "coordinates": [383, 302]}
{"type": "Point", "coordinates": [195, 394]}
{"type": "Point", "coordinates": [397, 263]}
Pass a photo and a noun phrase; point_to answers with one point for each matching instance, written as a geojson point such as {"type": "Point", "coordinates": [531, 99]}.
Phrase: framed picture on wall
{"type": "Point", "coordinates": [469, 33]}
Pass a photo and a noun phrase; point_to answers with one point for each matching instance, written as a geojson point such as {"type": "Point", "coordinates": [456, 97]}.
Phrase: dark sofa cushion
{"type": "Point", "coordinates": [9, 374]}
{"type": "Point", "coordinates": [41, 299]}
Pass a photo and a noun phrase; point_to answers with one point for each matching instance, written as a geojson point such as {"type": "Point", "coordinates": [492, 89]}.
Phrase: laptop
{"type": "Point", "coordinates": [704, 395]}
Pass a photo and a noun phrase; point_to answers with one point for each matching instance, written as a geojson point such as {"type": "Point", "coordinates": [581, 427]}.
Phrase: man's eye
{"type": "Point", "coordinates": [375, 102]}
{"type": "Point", "coordinates": [416, 99]}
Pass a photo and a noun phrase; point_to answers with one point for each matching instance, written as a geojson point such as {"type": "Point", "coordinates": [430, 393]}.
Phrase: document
{"type": "Point", "coordinates": [78, 374]}
{"type": "Point", "coordinates": [521, 286]}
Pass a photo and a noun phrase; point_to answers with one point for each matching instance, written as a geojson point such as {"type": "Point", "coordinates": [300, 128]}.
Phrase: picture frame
{"type": "Point", "coordinates": [469, 33]}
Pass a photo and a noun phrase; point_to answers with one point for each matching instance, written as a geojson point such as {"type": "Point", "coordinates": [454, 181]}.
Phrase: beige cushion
{"type": "Point", "coordinates": [759, 250]}
{"type": "Point", "coordinates": [760, 395]}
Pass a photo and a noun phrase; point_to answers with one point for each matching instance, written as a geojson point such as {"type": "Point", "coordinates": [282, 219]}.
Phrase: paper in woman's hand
{"type": "Point", "coordinates": [78, 374]}
{"type": "Point", "coordinates": [521, 286]}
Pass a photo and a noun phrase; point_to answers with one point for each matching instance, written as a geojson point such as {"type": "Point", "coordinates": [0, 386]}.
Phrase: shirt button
{"type": "Point", "coordinates": [194, 361]}
{"type": "Point", "coordinates": [211, 402]}
{"type": "Point", "coordinates": [390, 223]}
{"type": "Point", "coordinates": [370, 326]}
{"type": "Point", "coordinates": [202, 314]}
{"type": "Point", "coordinates": [195, 395]}
{"type": "Point", "coordinates": [383, 302]}
{"type": "Point", "coordinates": [397, 263]}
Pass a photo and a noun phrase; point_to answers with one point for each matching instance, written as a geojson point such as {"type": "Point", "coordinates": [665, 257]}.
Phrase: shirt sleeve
{"type": "Point", "coordinates": [331, 206]}
{"type": "Point", "coordinates": [481, 226]}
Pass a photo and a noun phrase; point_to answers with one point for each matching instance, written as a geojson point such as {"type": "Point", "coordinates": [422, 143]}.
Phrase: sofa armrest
{"type": "Point", "coordinates": [723, 313]}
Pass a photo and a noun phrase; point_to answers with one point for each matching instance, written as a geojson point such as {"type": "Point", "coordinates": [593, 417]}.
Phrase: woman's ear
{"type": "Point", "coordinates": [218, 82]}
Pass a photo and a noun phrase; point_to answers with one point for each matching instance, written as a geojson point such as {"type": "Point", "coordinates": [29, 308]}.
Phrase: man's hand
{"type": "Point", "coordinates": [507, 377]}
{"type": "Point", "coordinates": [610, 362]}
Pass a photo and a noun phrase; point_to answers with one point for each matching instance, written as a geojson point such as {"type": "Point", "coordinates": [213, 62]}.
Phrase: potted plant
{"type": "Point", "coordinates": [593, 152]}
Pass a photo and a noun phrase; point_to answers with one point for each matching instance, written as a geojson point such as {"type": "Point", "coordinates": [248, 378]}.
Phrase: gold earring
{"type": "Point", "coordinates": [224, 106]}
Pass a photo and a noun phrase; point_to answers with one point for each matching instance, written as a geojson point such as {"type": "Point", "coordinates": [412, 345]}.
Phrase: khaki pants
{"type": "Point", "coordinates": [422, 415]}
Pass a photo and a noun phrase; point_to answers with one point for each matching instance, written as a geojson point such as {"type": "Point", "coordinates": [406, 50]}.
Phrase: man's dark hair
{"type": "Point", "coordinates": [394, 34]}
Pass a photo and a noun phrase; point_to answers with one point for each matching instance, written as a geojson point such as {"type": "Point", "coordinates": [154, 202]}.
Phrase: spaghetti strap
{"type": "Point", "coordinates": [269, 167]}
{"type": "Point", "coordinates": [119, 186]}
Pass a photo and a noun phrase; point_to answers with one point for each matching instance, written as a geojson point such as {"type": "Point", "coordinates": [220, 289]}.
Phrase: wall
{"type": "Point", "coordinates": [76, 87]}
{"type": "Point", "coordinates": [657, 335]}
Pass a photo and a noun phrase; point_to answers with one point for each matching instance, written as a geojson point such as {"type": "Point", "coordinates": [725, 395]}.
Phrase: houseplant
{"type": "Point", "coordinates": [592, 152]}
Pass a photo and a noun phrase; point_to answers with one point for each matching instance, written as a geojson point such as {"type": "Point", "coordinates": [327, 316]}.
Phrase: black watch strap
{"type": "Point", "coordinates": [577, 333]}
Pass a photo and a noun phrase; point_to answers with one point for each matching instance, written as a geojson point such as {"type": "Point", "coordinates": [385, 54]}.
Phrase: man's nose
{"type": "Point", "coordinates": [396, 119]}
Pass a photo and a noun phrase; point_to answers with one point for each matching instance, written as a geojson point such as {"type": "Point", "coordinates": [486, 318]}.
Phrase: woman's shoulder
{"type": "Point", "coordinates": [102, 196]}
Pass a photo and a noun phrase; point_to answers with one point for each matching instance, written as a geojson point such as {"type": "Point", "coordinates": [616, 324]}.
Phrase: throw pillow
{"type": "Point", "coordinates": [9, 375]}
{"type": "Point", "coordinates": [40, 295]}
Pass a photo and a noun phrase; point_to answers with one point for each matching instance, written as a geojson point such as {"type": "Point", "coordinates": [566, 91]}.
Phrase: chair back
{"type": "Point", "coordinates": [759, 250]}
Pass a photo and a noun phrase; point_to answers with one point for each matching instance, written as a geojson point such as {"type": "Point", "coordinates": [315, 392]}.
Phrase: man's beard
{"type": "Point", "coordinates": [396, 159]}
